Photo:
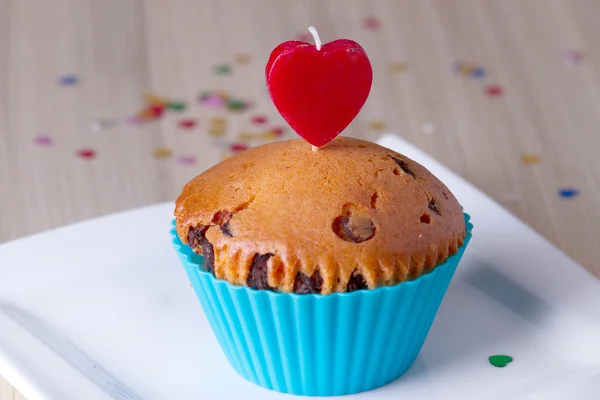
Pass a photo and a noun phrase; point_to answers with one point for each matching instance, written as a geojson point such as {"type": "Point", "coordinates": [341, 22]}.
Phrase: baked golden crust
{"type": "Point", "coordinates": [351, 209]}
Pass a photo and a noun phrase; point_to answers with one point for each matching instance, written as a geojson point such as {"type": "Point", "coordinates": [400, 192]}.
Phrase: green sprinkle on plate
{"type": "Point", "coordinates": [500, 361]}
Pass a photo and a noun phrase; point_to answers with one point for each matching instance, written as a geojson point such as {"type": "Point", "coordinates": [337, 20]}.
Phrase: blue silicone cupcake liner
{"type": "Point", "coordinates": [320, 345]}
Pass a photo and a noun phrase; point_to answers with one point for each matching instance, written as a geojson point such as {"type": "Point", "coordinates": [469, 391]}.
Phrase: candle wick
{"type": "Point", "coordinates": [315, 34]}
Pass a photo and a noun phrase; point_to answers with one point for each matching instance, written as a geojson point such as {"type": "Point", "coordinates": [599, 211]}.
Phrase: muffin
{"type": "Point", "coordinates": [321, 272]}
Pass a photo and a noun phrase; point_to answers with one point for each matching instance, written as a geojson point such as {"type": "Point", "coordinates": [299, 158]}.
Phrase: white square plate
{"type": "Point", "coordinates": [128, 326]}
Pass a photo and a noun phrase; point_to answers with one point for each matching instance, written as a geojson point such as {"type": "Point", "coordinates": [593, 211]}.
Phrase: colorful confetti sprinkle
{"type": "Point", "coordinates": [99, 125]}
{"type": "Point", "coordinates": [187, 123]}
{"type": "Point", "coordinates": [150, 98]}
{"type": "Point", "coordinates": [428, 129]}
{"type": "Point", "coordinates": [571, 58]}
{"type": "Point", "coordinates": [214, 98]}
{"type": "Point", "coordinates": [223, 69]}
{"type": "Point", "coordinates": [242, 59]}
{"type": "Point", "coordinates": [237, 105]}
{"type": "Point", "coordinates": [568, 193]}
{"type": "Point", "coordinates": [133, 120]}
{"type": "Point", "coordinates": [500, 361]}
{"type": "Point", "coordinates": [494, 90]}
{"type": "Point", "coordinates": [186, 160]}
{"type": "Point", "coordinates": [269, 135]}
{"type": "Point", "coordinates": [237, 147]}
{"type": "Point", "coordinates": [86, 154]}
{"type": "Point", "coordinates": [68, 80]}
{"type": "Point", "coordinates": [377, 125]}
{"type": "Point", "coordinates": [529, 158]}
{"type": "Point", "coordinates": [176, 106]}
{"type": "Point", "coordinates": [43, 140]}
{"type": "Point", "coordinates": [397, 67]}
{"type": "Point", "coordinates": [152, 112]}
{"type": "Point", "coordinates": [469, 70]}
{"type": "Point", "coordinates": [478, 73]}
{"type": "Point", "coordinates": [371, 23]}
{"type": "Point", "coordinates": [248, 136]}
{"type": "Point", "coordinates": [217, 126]}
{"type": "Point", "coordinates": [162, 152]}
{"type": "Point", "coordinates": [279, 131]}
{"type": "Point", "coordinates": [258, 120]}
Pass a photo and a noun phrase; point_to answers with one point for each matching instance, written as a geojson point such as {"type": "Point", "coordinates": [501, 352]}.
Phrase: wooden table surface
{"type": "Point", "coordinates": [543, 54]}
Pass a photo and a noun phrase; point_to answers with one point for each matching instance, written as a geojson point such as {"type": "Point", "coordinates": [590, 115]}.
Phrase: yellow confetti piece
{"type": "Point", "coordinates": [162, 152]}
{"type": "Point", "coordinates": [242, 59]}
{"type": "Point", "coordinates": [150, 98]}
{"type": "Point", "coordinates": [397, 67]}
{"type": "Point", "coordinates": [247, 136]}
{"type": "Point", "coordinates": [528, 158]}
{"type": "Point", "coordinates": [269, 135]}
{"type": "Point", "coordinates": [377, 125]}
{"type": "Point", "coordinates": [217, 126]}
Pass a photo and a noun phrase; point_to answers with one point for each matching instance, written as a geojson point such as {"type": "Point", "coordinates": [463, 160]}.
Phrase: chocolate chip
{"type": "Point", "coordinates": [403, 166]}
{"type": "Point", "coordinates": [196, 237]}
{"type": "Point", "coordinates": [303, 284]}
{"type": "Point", "coordinates": [434, 207]}
{"type": "Point", "coordinates": [354, 228]}
{"type": "Point", "coordinates": [222, 218]}
{"type": "Point", "coordinates": [226, 229]}
{"type": "Point", "coordinates": [258, 276]}
{"type": "Point", "coordinates": [356, 282]}
{"type": "Point", "coordinates": [426, 218]}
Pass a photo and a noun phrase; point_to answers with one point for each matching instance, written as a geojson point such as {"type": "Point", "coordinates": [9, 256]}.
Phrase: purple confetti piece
{"type": "Point", "coordinates": [213, 101]}
{"type": "Point", "coordinates": [572, 58]}
{"type": "Point", "coordinates": [68, 80]}
{"type": "Point", "coordinates": [133, 120]}
{"type": "Point", "coordinates": [478, 73]}
{"type": "Point", "coordinates": [568, 193]}
{"type": "Point", "coordinates": [186, 160]}
{"type": "Point", "coordinates": [43, 140]}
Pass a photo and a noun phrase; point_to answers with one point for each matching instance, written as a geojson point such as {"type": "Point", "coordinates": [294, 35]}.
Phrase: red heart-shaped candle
{"type": "Point", "coordinates": [319, 92]}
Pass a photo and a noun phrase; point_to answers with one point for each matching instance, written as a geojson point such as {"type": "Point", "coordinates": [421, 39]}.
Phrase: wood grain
{"type": "Point", "coordinates": [122, 49]}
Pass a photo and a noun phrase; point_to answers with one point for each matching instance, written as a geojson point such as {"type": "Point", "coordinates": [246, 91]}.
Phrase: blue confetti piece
{"type": "Point", "coordinates": [568, 193]}
{"type": "Point", "coordinates": [478, 73]}
{"type": "Point", "coordinates": [68, 80]}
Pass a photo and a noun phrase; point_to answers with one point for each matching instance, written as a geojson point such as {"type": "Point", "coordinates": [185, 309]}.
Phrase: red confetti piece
{"type": "Point", "coordinates": [43, 140]}
{"type": "Point", "coordinates": [371, 23]}
{"type": "Point", "coordinates": [494, 90]}
{"type": "Point", "coordinates": [237, 147]}
{"type": "Point", "coordinates": [86, 154]}
{"type": "Point", "coordinates": [186, 160]}
{"type": "Point", "coordinates": [187, 123]}
{"type": "Point", "coordinates": [259, 120]}
{"type": "Point", "coordinates": [278, 131]}
{"type": "Point", "coordinates": [156, 110]}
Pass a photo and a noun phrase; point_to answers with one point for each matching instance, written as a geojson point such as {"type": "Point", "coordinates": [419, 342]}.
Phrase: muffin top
{"type": "Point", "coordinates": [350, 216]}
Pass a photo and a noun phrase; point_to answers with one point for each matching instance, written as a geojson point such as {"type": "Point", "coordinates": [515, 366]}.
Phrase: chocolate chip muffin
{"type": "Point", "coordinates": [353, 215]}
